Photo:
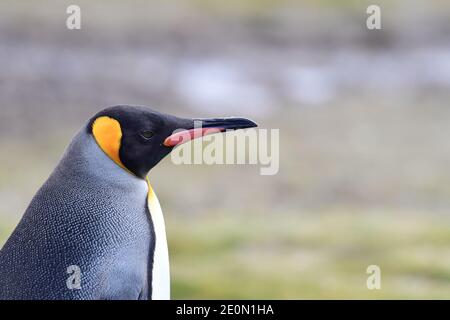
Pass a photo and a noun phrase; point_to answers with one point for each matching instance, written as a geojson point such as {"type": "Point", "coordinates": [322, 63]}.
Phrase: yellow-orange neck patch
{"type": "Point", "coordinates": [108, 135]}
{"type": "Point", "coordinates": [151, 194]}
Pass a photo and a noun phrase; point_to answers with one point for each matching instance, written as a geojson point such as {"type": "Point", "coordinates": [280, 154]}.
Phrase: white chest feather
{"type": "Point", "coordinates": [161, 272]}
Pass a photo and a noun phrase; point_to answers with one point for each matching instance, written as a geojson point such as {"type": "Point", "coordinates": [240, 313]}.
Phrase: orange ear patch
{"type": "Point", "coordinates": [108, 134]}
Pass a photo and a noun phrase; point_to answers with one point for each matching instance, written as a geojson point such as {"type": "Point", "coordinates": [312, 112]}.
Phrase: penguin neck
{"type": "Point", "coordinates": [84, 157]}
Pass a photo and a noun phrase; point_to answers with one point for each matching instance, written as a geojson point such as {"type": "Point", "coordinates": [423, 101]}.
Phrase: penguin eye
{"type": "Point", "coordinates": [147, 134]}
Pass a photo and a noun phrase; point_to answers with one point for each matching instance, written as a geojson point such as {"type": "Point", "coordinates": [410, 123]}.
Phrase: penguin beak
{"type": "Point", "coordinates": [203, 127]}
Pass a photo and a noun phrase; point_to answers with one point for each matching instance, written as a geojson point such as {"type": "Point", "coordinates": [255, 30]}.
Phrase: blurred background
{"type": "Point", "coordinates": [364, 123]}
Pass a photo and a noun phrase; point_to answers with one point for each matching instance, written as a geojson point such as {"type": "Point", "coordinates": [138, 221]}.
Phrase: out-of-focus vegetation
{"type": "Point", "coordinates": [363, 119]}
{"type": "Point", "coordinates": [324, 255]}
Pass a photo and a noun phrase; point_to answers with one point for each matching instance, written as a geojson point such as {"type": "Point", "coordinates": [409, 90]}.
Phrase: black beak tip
{"type": "Point", "coordinates": [232, 123]}
{"type": "Point", "coordinates": [252, 124]}
{"type": "Point", "coordinates": [239, 123]}
{"type": "Point", "coordinates": [242, 123]}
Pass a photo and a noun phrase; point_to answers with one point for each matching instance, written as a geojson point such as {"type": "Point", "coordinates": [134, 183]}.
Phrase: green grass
{"type": "Point", "coordinates": [309, 256]}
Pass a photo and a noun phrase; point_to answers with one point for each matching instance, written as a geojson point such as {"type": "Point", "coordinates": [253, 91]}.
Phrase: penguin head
{"type": "Point", "coordinates": [137, 138]}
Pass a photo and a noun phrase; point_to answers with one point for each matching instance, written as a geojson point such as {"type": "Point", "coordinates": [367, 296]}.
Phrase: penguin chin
{"type": "Point", "coordinates": [142, 171]}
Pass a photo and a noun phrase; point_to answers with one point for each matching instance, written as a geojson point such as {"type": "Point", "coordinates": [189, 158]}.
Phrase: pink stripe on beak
{"type": "Point", "coordinates": [187, 135]}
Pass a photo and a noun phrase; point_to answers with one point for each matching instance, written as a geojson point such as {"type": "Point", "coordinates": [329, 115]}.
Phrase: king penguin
{"type": "Point", "coordinates": [95, 229]}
